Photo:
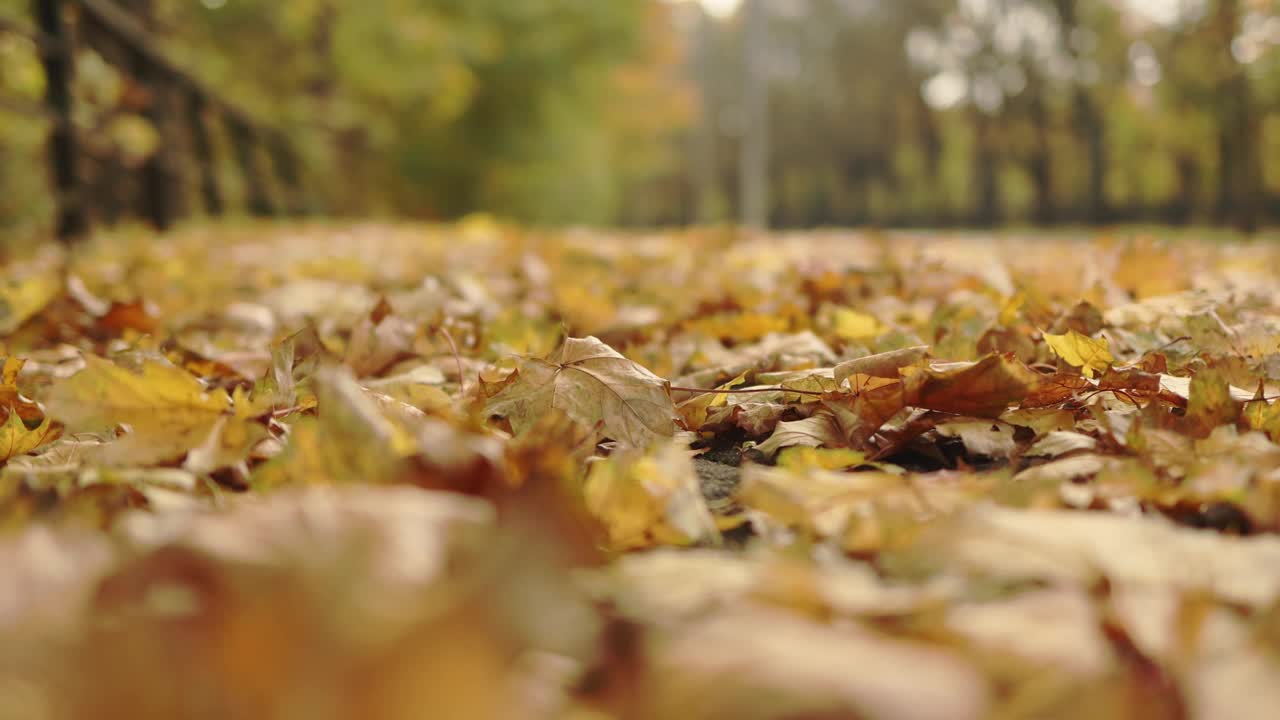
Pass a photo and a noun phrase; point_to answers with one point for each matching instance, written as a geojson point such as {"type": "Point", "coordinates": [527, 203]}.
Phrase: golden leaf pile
{"type": "Point", "coordinates": [404, 471]}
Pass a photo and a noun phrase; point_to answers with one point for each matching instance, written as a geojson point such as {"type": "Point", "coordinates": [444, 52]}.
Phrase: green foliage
{"type": "Point", "coordinates": [443, 106]}
{"type": "Point", "coordinates": [426, 108]}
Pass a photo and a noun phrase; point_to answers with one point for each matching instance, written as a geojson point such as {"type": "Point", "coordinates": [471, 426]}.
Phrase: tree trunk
{"type": "Point", "coordinates": [72, 220]}
{"type": "Point", "coordinates": [1089, 123]}
{"type": "Point", "coordinates": [1240, 171]}
{"type": "Point", "coordinates": [1039, 164]}
{"type": "Point", "coordinates": [159, 197]}
{"type": "Point", "coordinates": [987, 209]}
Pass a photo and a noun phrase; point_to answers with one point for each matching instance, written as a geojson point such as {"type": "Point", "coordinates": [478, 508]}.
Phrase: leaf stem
{"type": "Point", "coordinates": [703, 391]}
{"type": "Point", "coordinates": [457, 357]}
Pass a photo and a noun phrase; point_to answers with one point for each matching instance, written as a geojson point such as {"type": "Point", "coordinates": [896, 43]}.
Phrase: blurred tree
{"type": "Point", "coordinates": [905, 113]}
{"type": "Point", "coordinates": [543, 110]}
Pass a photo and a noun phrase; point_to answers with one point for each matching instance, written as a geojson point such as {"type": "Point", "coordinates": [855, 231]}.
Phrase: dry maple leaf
{"type": "Point", "coordinates": [16, 439]}
{"type": "Point", "coordinates": [104, 394]}
{"type": "Point", "coordinates": [1210, 404]}
{"type": "Point", "coordinates": [820, 430]}
{"type": "Point", "coordinates": [168, 410]}
{"type": "Point", "coordinates": [1090, 355]}
{"type": "Point", "coordinates": [378, 340]}
{"type": "Point", "coordinates": [593, 384]}
{"type": "Point", "coordinates": [982, 389]}
{"type": "Point", "coordinates": [11, 400]}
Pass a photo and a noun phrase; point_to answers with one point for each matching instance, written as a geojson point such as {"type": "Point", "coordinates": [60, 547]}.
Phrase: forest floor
{"type": "Point", "coordinates": [482, 472]}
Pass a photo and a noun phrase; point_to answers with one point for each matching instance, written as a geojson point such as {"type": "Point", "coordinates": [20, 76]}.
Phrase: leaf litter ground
{"type": "Point", "coordinates": [477, 471]}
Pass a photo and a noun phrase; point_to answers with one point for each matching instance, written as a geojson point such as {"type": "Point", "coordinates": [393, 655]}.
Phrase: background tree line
{"type": "Point", "coordinates": [983, 112]}
{"type": "Point", "coordinates": [636, 112]}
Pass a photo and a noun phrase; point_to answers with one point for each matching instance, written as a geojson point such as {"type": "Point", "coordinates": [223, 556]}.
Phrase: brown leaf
{"type": "Point", "coordinates": [593, 384]}
{"type": "Point", "coordinates": [1210, 403]}
{"type": "Point", "coordinates": [861, 414]}
{"type": "Point", "coordinates": [982, 389]}
{"type": "Point", "coordinates": [10, 398]}
{"type": "Point", "coordinates": [1057, 388]}
{"type": "Point", "coordinates": [139, 316]}
{"type": "Point", "coordinates": [379, 340]}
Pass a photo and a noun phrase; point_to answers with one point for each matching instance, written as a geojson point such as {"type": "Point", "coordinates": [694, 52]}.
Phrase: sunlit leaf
{"type": "Point", "coordinates": [649, 499]}
{"type": "Point", "coordinates": [853, 325]}
{"type": "Point", "coordinates": [1092, 356]}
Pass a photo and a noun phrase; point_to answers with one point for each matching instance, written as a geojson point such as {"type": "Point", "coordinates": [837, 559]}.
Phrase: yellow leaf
{"type": "Point", "coordinates": [853, 325]}
{"type": "Point", "coordinates": [645, 500]}
{"type": "Point", "coordinates": [803, 458]}
{"type": "Point", "coordinates": [20, 299]}
{"type": "Point", "coordinates": [228, 442]}
{"type": "Point", "coordinates": [695, 410]}
{"type": "Point", "coordinates": [167, 410]}
{"type": "Point", "coordinates": [9, 395]}
{"type": "Point", "coordinates": [352, 440]}
{"type": "Point", "coordinates": [104, 395]}
{"type": "Point", "coordinates": [738, 327]}
{"type": "Point", "coordinates": [16, 439]}
{"type": "Point", "coordinates": [1012, 307]}
{"type": "Point", "coordinates": [1090, 355]}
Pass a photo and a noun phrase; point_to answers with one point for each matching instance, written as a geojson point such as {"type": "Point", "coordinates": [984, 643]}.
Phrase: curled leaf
{"type": "Point", "coordinates": [882, 365]}
{"type": "Point", "coordinates": [982, 389]}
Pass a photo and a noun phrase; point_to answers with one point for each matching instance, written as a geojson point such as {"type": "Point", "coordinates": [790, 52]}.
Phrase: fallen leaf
{"type": "Point", "coordinates": [593, 384]}
{"type": "Point", "coordinates": [789, 666]}
{"type": "Point", "coordinates": [1091, 356]}
{"type": "Point", "coordinates": [803, 457]}
{"type": "Point", "coordinates": [379, 340]}
{"type": "Point", "coordinates": [16, 439]}
{"type": "Point", "coordinates": [419, 387]}
{"type": "Point", "coordinates": [1210, 402]}
{"type": "Point", "coordinates": [643, 500]}
{"type": "Point", "coordinates": [104, 395]}
{"type": "Point", "coordinates": [696, 409]}
{"type": "Point", "coordinates": [10, 398]}
{"type": "Point", "coordinates": [1061, 442]}
{"type": "Point", "coordinates": [982, 389]}
{"type": "Point", "coordinates": [862, 414]}
{"type": "Point", "coordinates": [981, 438]}
{"type": "Point", "coordinates": [820, 430]}
{"type": "Point", "coordinates": [23, 295]}
{"type": "Point", "coordinates": [853, 325]}
{"type": "Point", "coordinates": [881, 365]}
{"type": "Point", "coordinates": [165, 409]}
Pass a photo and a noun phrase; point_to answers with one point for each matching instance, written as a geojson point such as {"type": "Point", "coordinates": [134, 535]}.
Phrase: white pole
{"type": "Point", "coordinates": [705, 178]}
{"type": "Point", "coordinates": [755, 141]}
